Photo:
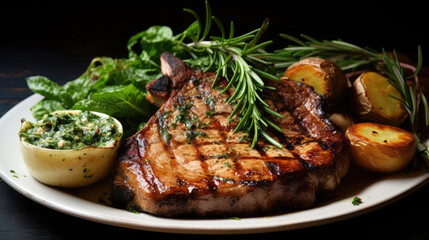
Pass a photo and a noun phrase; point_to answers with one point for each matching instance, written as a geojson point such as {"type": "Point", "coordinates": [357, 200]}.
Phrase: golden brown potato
{"type": "Point", "coordinates": [380, 148]}
{"type": "Point", "coordinates": [322, 74]}
{"type": "Point", "coordinates": [373, 102]}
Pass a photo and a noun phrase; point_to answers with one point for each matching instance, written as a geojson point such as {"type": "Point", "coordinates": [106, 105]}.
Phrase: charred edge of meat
{"type": "Point", "coordinates": [175, 74]}
{"type": "Point", "coordinates": [160, 86]}
{"type": "Point", "coordinates": [278, 170]}
{"type": "Point", "coordinates": [176, 69]}
{"type": "Point", "coordinates": [121, 196]}
{"type": "Point", "coordinates": [159, 90]}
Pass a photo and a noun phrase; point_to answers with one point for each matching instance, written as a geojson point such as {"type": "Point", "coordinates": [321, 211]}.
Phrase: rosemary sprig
{"type": "Point", "coordinates": [414, 100]}
{"type": "Point", "coordinates": [231, 57]}
{"type": "Point", "coordinates": [350, 57]}
{"type": "Point", "coordinates": [347, 56]}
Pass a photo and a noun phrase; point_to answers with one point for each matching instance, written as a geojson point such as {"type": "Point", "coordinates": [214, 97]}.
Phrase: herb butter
{"type": "Point", "coordinates": [70, 148]}
{"type": "Point", "coordinates": [68, 130]}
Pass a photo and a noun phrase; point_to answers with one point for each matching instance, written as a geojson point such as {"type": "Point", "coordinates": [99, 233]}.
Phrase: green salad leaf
{"type": "Point", "coordinates": [152, 43]}
{"type": "Point", "coordinates": [122, 101]}
{"type": "Point", "coordinates": [51, 90]}
{"type": "Point", "coordinates": [45, 106]}
{"type": "Point", "coordinates": [112, 86]}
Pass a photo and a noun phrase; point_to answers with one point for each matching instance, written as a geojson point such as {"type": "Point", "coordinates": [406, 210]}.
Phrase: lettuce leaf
{"type": "Point", "coordinates": [152, 42]}
{"type": "Point", "coordinates": [50, 90]}
{"type": "Point", "coordinates": [127, 101]}
{"type": "Point", "coordinates": [45, 106]}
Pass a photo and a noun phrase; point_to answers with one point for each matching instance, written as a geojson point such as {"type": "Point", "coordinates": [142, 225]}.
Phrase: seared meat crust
{"type": "Point", "coordinates": [188, 162]}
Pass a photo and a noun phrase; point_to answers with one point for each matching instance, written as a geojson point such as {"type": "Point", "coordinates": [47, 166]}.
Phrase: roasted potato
{"type": "Point", "coordinates": [380, 148]}
{"type": "Point", "coordinates": [322, 74]}
{"type": "Point", "coordinates": [373, 102]}
{"type": "Point", "coordinates": [70, 168]}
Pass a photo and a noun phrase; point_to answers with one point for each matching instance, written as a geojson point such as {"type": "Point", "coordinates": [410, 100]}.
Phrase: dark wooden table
{"type": "Point", "coordinates": [21, 218]}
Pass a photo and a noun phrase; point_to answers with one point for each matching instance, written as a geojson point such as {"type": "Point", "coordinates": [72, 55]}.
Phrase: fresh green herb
{"type": "Point", "coordinates": [414, 100]}
{"type": "Point", "coordinates": [356, 201]}
{"type": "Point", "coordinates": [191, 121]}
{"type": "Point", "coordinates": [210, 101]}
{"type": "Point", "coordinates": [184, 108]}
{"type": "Point", "coordinates": [234, 58]}
{"type": "Point", "coordinates": [173, 125]}
{"type": "Point", "coordinates": [210, 113]}
{"type": "Point", "coordinates": [191, 134]}
{"type": "Point", "coordinates": [346, 56]}
{"type": "Point", "coordinates": [131, 209]}
{"type": "Point", "coordinates": [163, 130]}
{"type": "Point", "coordinates": [14, 173]}
{"type": "Point", "coordinates": [221, 155]}
{"type": "Point", "coordinates": [227, 164]}
{"type": "Point", "coordinates": [244, 138]}
{"type": "Point", "coordinates": [167, 114]}
{"type": "Point", "coordinates": [223, 179]}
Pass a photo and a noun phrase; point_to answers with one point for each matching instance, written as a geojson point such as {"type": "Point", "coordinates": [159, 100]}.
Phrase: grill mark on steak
{"type": "Point", "coordinates": [187, 162]}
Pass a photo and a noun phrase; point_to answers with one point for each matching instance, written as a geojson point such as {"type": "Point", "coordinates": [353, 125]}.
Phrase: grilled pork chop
{"type": "Point", "coordinates": [187, 161]}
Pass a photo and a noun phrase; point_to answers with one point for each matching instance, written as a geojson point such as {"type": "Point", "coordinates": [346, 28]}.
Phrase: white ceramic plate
{"type": "Point", "coordinates": [90, 202]}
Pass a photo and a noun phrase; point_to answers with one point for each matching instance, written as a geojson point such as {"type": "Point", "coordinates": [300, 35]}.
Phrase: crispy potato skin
{"type": "Point", "coordinates": [322, 74]}
{"type": "Point", "coordinates": [380, 148]}
{"type": "Point", "coordinates": [373, 102]}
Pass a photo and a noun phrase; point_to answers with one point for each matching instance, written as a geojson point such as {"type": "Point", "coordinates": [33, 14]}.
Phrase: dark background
{"type": "Point", "coordinates": [33, 37]}
{"type": "Point", "coordinates": [60, 40]}
{"type": "Point", "coordinates": [102, 29]}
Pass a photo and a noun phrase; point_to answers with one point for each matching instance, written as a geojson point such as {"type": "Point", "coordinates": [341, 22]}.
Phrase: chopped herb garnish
{"type": "Point", "coordinates": [190, 122]}
{"type": "Point", "coordinates": [222, 155]}
{"type": "Point", "coordinates": [244, 138]}
{"type": "Point", "coordinates": [132, 209]}
{"type": "Point", "coordinates": [191, 134]}
{"type": "Point", "coordinates": [167, 114]}
{"type": "Point", "coordinates": [227, 164]}
{"type": "Point", "coordinates": [163, 129]}
{"type": "Point", "coordinates": [210, 101]}
{"type": "Point", "coordinates": [223, 179]}
{"type": "Point", "coordinates": [173, 125]}
{"type": "Point", "coordinates": [210, 113]}
{"type": "Point", "coordinates": [356, 201]}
